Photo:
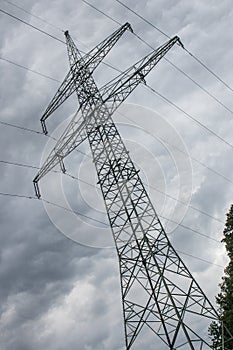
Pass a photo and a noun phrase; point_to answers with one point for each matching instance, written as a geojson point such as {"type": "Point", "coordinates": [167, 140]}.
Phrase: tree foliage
{"type": "Point", "coordinates": [225, 298]}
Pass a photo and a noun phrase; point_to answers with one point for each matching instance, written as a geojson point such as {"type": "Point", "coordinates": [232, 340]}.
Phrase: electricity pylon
{"type": "Point", "coordinates": [158, 291]}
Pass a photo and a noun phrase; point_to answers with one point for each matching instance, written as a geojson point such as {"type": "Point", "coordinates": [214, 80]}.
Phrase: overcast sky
{"type": "Point", "coordinates": [59, 278]}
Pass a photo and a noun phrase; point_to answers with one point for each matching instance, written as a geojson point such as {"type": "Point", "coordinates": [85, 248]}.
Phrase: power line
{"type": "Point", "coordinates": [47, 76]}
{"type": "Point", "coordinates": [16, 195]}
{"type": "Point", "coordinates": [185, 204]}
{"type": "Point", "coordinates": [208, 69]}
{"type": "Point", "coordinates": [157, 190]}
{"type": "Point", "coordinates": [19, 164]}
{"type": "Point", "coordinates": [201, 87]}
{"type": "Point", "coordinates": [212, 170]}
{"type": "Point", "coordinates": [86, 216]}
{"type": "Point", "coordinates": [35, 16]}
{"type": "Point", "coordinates": [204, 260]}
{"type": "Point", "coordinates": [21, 128]}
{"type": "Point", "coordinates": [88, 183]}
{"type": "Point", "coordinates": [32, 26]}
{"type": "Point", "coordinates": [74, 212]}
{"type": "Point", "coordinates": [191, 229]}
{"type": "Point", "coordinates": [53, 204]}
{"type": "Point", "coordinates": [36, 132]}
{"type": "Point", "coordinates": [185, 153]}
{"type": "Point", "coordinates": [144, 19]}
{"type": "Point", "coordinates": [53, 37]}
{"type": "Point", "coordinates": [28, 69]}
{"type": "Point", "coordinates": [77, 178]}
{"type": "Point", "coordinates": [32, 14]}
{"type": "Point", "coordinates": [191, 54]}
{"type": "Point", "coordinates": [194, 159]}
{"type": "Point", "coordinates": [103, 13]}
{"type": "Point", "coordinates": [99, 221]}
{"type": "Point", "coordinates": [54, 171]}
{"type": "Point", "coordinates": [190, 116]}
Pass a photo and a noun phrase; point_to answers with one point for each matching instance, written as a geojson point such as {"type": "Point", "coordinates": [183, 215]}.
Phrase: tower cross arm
{"type": "Point", "coordinates": [94, 57]}
{"type": "Point", "coordinates": [64, 91]}
{"type": "Point", "coordinates": [89, 61]}
{"type": "Point", "coordinates": [72, 137]}
{"type": "Point", "coordinates": [118, 89]}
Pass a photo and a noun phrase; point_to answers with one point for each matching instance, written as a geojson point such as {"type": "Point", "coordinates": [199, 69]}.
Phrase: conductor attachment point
{"type": "Point", "coordinates": [37, 189]}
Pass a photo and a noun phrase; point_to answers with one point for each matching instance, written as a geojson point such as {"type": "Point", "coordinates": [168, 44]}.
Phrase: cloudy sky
{"type": "Point", "coordinates": [59, 273]}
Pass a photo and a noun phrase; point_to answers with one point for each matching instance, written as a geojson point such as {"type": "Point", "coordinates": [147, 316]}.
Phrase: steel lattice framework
{"type": "Point", "coordinates": [158, 291]}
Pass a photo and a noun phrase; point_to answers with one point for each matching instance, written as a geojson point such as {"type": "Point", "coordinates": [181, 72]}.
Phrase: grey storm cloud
{"type": "Point", "coordinates": [59, 294]}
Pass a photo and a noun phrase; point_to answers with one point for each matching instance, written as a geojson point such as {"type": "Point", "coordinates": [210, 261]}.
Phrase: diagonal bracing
{"type": "Point", "coordinates": [158, 291]}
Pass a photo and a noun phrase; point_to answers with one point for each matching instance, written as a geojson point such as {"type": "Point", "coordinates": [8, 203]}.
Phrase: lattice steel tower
{"type": "Point", "coordinates": [158, 291]}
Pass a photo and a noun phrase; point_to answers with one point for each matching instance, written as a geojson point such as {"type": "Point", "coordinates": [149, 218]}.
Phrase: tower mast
{"type": "Point", "coordinates": [158, 291]}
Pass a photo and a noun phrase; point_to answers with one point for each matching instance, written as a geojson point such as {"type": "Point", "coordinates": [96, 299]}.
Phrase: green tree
{"type": "Point", "coordinates": [225, 298]}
